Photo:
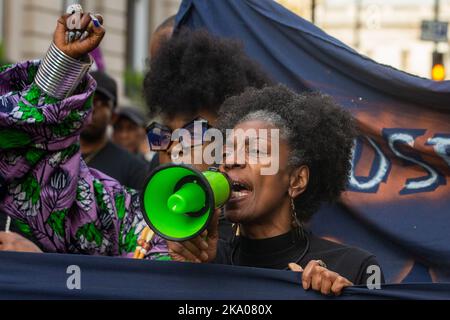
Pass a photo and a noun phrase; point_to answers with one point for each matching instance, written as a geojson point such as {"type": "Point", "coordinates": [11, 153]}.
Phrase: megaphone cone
{"type": "Point", "coordinates": [190, 198]}
{"type": "Point", "coordinates": [179, 201]}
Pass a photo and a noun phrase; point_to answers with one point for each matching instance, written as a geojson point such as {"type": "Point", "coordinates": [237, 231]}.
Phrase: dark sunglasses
{"type": "Point", "coordinates": [160, 136]}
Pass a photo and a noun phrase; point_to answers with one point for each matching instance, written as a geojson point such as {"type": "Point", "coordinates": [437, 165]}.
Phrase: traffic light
{"type": "Point", "coordinates": [438, 68]}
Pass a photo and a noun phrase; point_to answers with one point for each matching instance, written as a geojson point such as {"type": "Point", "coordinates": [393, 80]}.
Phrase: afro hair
{"type": "Point", "coordinates": [195, 70]}
{"type": "Point", "coordinates": [320, 135]}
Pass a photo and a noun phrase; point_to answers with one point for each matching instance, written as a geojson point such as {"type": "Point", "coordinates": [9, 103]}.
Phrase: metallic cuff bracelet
{"type": "Point", "coordinates": [59, 75]}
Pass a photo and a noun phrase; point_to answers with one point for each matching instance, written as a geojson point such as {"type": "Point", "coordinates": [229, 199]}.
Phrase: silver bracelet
{"type": "Point", "coordinates": [59, 75]}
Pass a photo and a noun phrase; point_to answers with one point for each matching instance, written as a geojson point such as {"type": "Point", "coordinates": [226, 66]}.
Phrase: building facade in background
{"type": "Point", "coordinates": [386, 31]}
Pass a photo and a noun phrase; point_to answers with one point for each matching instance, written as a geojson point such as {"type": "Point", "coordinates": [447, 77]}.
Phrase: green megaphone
{"type": "Point", "coordinates": [179, 201]}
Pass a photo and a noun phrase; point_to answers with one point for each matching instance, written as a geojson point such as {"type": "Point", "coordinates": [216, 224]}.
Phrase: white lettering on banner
{"type": "Point", "coordinates": [380, 173]}
{"type": "Point", "coordinates": [441, 146]}
{"type": "Point", "coordinates": [409, 140]}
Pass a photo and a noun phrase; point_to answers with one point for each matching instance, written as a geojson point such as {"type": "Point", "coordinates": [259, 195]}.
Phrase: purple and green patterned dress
{"type": "Point", "coordinates": [46, 186]}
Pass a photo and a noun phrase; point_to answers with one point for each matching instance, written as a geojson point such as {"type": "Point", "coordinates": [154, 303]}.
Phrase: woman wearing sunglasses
{"type": "Point", "coordinates": [316, 139]}
{"type": "Point", "coordinates": [161, 139]}
{"type": "Point", "coordinates": [191, 76]}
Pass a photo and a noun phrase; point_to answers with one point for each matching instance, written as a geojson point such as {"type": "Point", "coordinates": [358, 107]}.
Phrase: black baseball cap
{"type": "Point", "coordinates": [106, 86]}
{"type": "Point", "coordinates": [134, 114]}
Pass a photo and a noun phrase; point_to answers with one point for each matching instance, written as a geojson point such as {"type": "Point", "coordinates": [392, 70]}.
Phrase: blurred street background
{"type": "Point", "coordinates": [388, 31]}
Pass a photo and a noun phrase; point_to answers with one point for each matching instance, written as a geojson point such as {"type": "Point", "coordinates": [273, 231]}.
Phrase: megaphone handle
{"type": "Point", "coordinates": [140, 243]}
{"type": "Point", "coordinates": [144, 243]}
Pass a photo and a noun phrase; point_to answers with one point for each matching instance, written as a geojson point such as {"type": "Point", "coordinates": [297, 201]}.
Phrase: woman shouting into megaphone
{"type": "Point", "coordinates": [269, 211]}
{"type": "Point", "coordinates": [48, 190]}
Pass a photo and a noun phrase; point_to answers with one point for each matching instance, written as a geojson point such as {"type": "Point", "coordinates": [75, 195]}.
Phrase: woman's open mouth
{"type": "Point", "coordinates": [240, 191]}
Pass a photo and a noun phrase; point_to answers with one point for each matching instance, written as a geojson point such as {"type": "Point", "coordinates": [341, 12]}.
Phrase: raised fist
{"type": "Point", "coordinates": [78, 34]}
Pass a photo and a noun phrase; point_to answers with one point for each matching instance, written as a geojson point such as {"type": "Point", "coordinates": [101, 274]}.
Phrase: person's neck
{"type": "Point", "coordinates": [277, 224]}
{"type": "Point", "coordinates": [89, 147]}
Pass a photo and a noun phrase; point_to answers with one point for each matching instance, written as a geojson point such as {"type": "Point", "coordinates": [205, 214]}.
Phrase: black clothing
{"type": "Point", "coordinates": [278, 252]}
{"type": "Point", "coordinates": [226, 231]}
{"type": "Point", "coordinates": [119, 164]}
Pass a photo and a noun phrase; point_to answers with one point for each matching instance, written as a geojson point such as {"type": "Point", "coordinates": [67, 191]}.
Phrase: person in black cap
{"type": "Point", "coordinates": [98, 151]}
{"type": "Point", "coordinates": [129, 129]}
{"type": "Point", "coordinates": [130, 134]}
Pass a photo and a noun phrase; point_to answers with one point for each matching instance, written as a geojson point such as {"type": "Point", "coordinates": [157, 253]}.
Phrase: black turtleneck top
{"type": "Point", "coordinates": [301, 248]}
